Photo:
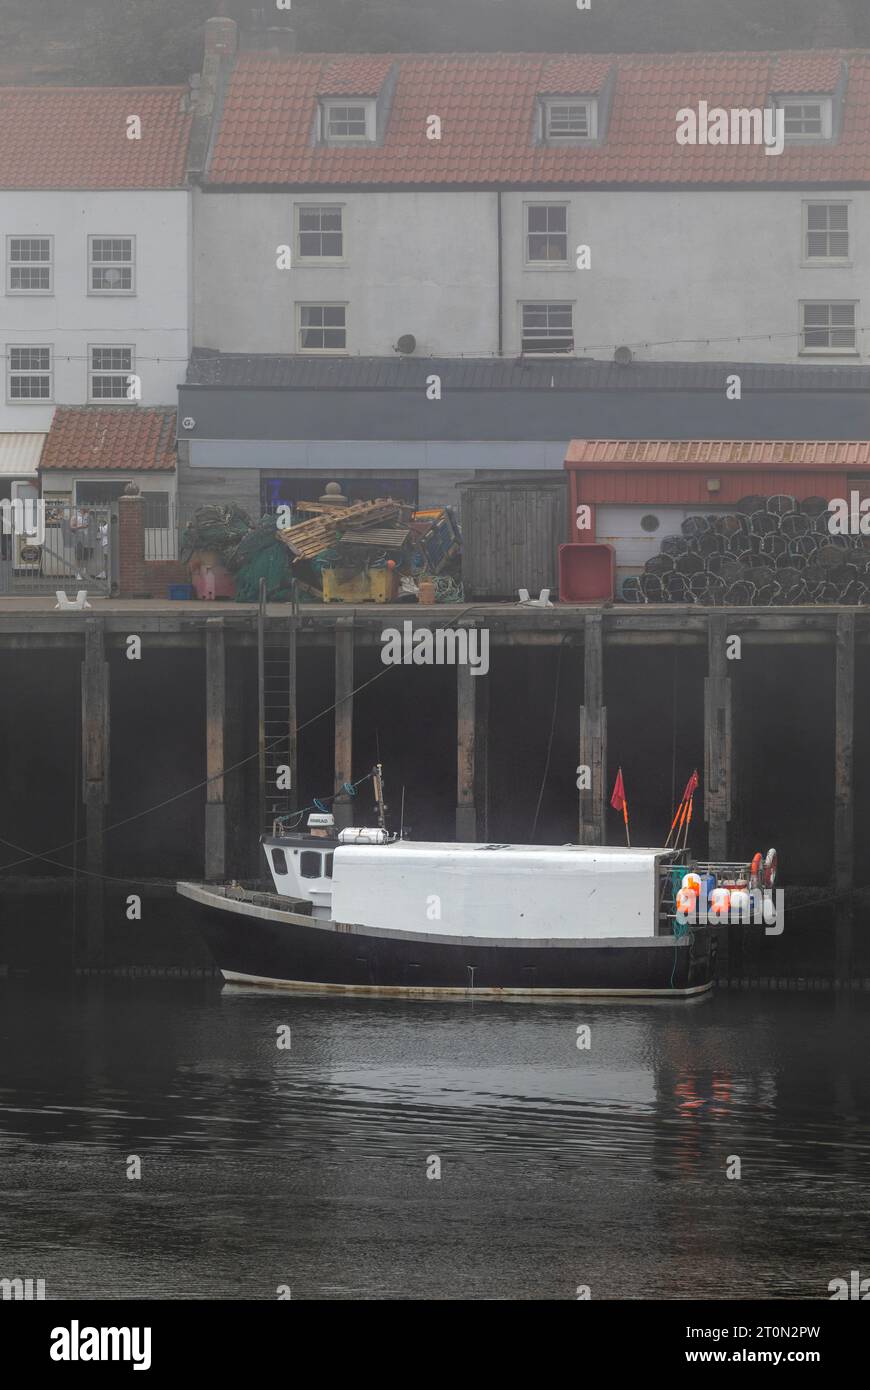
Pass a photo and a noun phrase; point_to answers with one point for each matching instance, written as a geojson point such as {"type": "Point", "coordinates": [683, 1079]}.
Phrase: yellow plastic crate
{"type": "Point", "coordinates": [369, 586]}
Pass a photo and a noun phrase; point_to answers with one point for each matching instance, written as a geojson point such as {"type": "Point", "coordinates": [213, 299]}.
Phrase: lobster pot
{"type": "Point", "coordinates": [767, 550]}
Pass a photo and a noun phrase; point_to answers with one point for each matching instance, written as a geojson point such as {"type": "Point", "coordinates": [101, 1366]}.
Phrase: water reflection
{"type": "Point", "coordinates": [605, 1166]}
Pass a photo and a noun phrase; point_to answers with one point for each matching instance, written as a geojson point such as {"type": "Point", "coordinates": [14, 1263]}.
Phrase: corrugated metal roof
{"type": "Point", "coordinates": [20, 454]}
{"type": "Point", "coordinates": [800, 455]}
{"type": "Point", "coordinates": [263, 371]}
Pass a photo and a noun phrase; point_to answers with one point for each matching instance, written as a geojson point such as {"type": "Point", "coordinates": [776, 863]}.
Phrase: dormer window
{"type": "Point", "coordinates": [570, 120]}
{"type": "Point", "coordinates": [807, 118]}
{"type": "Point", "coordinates": [348, 122]}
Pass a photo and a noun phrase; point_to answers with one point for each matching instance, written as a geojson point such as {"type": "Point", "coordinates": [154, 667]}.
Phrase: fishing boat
{"type": "Point", "coordinates": [363, 911]}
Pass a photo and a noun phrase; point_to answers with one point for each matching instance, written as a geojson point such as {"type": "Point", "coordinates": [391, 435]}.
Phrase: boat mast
{"type": "Point", "coordinates": [378, 779]}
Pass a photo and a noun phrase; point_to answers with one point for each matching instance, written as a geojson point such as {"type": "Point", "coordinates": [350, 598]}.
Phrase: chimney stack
{"type": "Point", "coordinates": [221, 46]}
{"type": "Point", "coordinates": [221, 38]}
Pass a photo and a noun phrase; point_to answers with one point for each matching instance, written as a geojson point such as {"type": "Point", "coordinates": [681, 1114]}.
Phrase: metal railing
{"type": "Point", "coordinates": [74, 549]}
{"type": "Point", "coordinates": [162, 526]}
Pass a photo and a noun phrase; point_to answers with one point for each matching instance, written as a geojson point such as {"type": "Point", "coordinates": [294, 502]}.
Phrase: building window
{"type": "Point", "coordinates": [319, 233]}
{"type": "Point", "coordinates": [322, 328]}
{"type": "Point", "coordinates": [111, 265]}
{"type": "Point", "coordinates": [828, 327]}
{"type": "Point", "coordinates": [347, 122]}
{"type": "Point", "coordinates": [30, 374]}
{"type": "Point", "coordinates": [547, 234]}
{"type": "Point", "coordinates": [109, 374]}
{"type": "Point", "coordinates": [570, 120]}
{"type": "Point", "coordinates": [826, 231]}
{"type": "Point", "coordinates": [807, 119]}
{"type": "Point", "coordinates": [548, 328]}
{"type": "Point", "coordinates": [29, 265]}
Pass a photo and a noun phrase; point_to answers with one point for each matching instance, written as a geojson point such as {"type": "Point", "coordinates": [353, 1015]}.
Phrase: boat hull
{"type": "Point", "coordinates": [255, 943]}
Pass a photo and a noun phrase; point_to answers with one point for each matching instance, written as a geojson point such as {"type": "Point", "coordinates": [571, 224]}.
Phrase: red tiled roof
{"type": "Point", "coordinates": [796, 73]}
{"type": "Point", "coordinates": [76, 137]}
{"type": "Point", "coordinates": [487, 102]}
{"type": "Point", "coordinates": [709, 453]}
{"type": "Point", "coordinates": [575, 73]}
{"type": "Point", "coordinates": [355, 75]}
{"type": "Point", "coordinates": [129, 438]}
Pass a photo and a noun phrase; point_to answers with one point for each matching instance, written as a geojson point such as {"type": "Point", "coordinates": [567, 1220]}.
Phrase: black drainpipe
{"type": "Point", "coordinates": [500, 295]}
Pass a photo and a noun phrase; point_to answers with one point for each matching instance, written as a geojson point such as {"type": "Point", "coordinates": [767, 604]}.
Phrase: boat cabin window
{"type": "Point", "coordinates": [279, 861]}
{"type": "Point", "coordinates": [327, 866]}
{"type": "Point", "coordinates": [310, 864]}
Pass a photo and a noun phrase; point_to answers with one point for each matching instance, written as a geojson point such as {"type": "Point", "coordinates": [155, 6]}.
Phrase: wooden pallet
{"type": "Point", "coordinates": [309, 538]}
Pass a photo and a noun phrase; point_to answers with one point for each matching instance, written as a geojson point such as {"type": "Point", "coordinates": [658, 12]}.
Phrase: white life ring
{"type": "Point", "coordinates": [770, 867]}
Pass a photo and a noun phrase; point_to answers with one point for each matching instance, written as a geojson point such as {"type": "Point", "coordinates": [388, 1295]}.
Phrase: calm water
{"type": "Point", "coordinates": [307, 1167]}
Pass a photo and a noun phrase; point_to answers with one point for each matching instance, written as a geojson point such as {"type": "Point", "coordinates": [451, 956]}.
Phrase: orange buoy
{"type": "Point", "coordinates": [720, 902]}
{"type": "Point", "coordinates": [687, 901]}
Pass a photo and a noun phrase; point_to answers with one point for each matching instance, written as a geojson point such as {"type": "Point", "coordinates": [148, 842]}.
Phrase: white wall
{"type": "Point", "coordinates": [154, 320]}
{"type": "Point", "coordinates": [418, 263]}
{"type": "Point", "coordinates": [666, 266]}
{"type": "Point", "coordinates": [716, 266]}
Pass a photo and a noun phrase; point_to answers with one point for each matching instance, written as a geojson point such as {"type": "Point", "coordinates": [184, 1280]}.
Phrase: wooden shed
{"type": "Point", "coordinates": [511, 531]}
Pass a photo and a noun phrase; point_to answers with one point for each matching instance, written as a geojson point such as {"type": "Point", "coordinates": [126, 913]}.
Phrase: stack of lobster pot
{"type": "Point", "coordinates": [768, 550]}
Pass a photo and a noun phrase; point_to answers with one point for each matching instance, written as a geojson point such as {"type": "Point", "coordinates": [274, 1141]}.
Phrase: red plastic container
{"type": "Point", "coordinates": [586, 573]}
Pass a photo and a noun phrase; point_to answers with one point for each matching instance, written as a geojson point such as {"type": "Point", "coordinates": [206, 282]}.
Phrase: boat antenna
{"type": "Point", "coordinates": [378, 779]}
{"type": "Point", "coordinates": [402, 817]}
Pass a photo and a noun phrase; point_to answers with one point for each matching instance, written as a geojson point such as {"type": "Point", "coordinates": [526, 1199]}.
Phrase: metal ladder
{"type": "Point", "coordinates": [276, 678]}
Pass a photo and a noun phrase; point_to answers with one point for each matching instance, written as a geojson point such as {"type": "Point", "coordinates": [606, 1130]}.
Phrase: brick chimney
{"type": "Point", "coordinates": [221, 47]}
{"type": "Point", "coordinates": [221, 38]}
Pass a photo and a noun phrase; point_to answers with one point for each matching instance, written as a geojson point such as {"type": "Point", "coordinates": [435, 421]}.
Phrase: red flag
{"type": "Point", "coordinates": [691, 786]}
{"type": "Point", "coordinates": [617, 800]}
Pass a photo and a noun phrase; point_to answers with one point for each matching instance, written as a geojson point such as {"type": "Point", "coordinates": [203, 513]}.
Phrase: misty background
{"type": "Point", "coordinates": [160, 41]}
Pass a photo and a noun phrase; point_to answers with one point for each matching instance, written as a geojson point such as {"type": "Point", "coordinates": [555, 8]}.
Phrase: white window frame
{"type": "Point", "coordinates": [314, 261]}
{"type": "Point", "coordinates": [826, 261]}
{"type": "Point", "coordinates": [540, 304]}
{"type": "Point", "coordinates": [550, 104]}
{"type": "Point", "coordinates": [826, 113]}
{"type": "Point", "coordinates": [324, 351]}
{"type": "Point", "coordinates": [14, 374]}
{"type": "Point", "coordinates": [16, 265]}
{"type": "Point", "coordinates": [814, 351]}
{"type": "Point", "coordinates": [93, 371]}
{"type": "Point", "coordinates": [96, 265]}
{"type": "Point", "coordinates": [366, 104]}
{"type": "Point", "coordinates": [527, 236]}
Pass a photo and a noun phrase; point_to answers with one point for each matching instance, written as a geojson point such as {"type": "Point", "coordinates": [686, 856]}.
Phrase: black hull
{"type": "Point", "coordinates": [255, 946]}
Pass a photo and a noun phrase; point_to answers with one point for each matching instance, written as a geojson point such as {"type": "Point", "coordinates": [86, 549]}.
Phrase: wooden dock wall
{"type": "Point", "coordinates": [217, 645]}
